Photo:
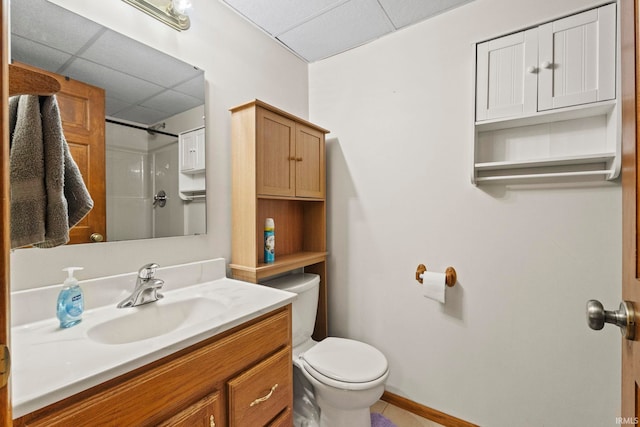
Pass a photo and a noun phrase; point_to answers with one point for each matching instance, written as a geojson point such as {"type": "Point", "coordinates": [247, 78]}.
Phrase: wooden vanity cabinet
{"type": "Point", "coordinates": [241, 378]}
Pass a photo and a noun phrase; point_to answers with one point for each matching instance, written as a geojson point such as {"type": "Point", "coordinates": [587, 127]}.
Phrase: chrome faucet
{"type": "Point", "coordinates": [146, 289]}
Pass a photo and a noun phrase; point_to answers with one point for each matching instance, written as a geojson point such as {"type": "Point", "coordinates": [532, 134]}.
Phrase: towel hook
{"type": "Point", "coordinates": [451, 277]}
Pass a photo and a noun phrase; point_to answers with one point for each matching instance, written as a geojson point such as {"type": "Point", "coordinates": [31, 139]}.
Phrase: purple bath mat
{"type": "Point", "coordinates": [378, 420]}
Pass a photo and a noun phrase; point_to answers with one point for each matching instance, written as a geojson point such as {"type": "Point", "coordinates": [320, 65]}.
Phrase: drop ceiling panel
{"type": "Point", "coordinates": [53, 38]}
{"type": "Point", "coordinates": [192, 87]}
{"type": "Point", "coordinates": [120, 53]}
{"type": "Point", "coordinates": [407, 12]}
{"type": "Point", "coordinates": [140, 114]}
{"type": "Point", "coordinates": [349, 25]}
{"type": "Point", "coordinates": [317, 29]}
{"type": "Point", "coordinates": [29, 52]}
{"type": "Point", "coordinates": [276, 16]}
{"type": "Point", "coordinates": [119, 85]}
{"type": "Point", "coordinates": [173, 99]}
{"type": "Point", "coordinates": [49, 24]}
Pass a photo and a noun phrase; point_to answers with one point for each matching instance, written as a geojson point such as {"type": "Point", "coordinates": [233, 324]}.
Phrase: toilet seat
{"type": "Point", "coordinates": [345, 364]}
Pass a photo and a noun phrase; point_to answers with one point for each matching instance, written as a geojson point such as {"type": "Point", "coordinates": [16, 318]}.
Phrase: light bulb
{"type": "Point", "coordinates": [180, 6]}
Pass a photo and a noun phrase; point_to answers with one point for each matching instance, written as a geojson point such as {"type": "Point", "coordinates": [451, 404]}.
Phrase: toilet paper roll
{"type": "Point", "coordinates": [433, 285]}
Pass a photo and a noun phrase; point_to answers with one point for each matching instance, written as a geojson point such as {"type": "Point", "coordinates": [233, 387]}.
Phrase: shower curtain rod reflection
{"type": "Point", "coordinates": [148, 129]}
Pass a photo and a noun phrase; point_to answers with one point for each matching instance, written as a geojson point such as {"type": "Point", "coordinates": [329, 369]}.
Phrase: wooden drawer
{"type": "Point", "coordinates": [259, 394]}
{"type": "Point", "coordinates": [285, 419]}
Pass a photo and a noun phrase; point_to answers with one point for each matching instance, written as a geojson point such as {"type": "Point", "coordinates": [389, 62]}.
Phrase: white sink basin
{"type": "Point", "coordinates": [155, 319]}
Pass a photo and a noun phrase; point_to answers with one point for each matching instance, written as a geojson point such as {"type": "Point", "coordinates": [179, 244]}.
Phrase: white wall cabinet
{"type": "Point", "coordinates": [546, 104]}
{"type": "Point", "coordinates": [192, 159]}
{"type": "Point", "coordinates": [191, 153]}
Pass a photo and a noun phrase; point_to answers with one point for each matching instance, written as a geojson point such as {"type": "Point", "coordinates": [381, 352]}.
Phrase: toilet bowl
{"type": "Point", "coordinates": [347, 376]}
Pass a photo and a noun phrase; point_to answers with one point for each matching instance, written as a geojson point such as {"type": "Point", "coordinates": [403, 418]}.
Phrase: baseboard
{"type": "Point", "coordinates": [424, 411]}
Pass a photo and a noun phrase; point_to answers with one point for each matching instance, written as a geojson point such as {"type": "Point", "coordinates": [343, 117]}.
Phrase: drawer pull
{"type": "Point", "coordinates": [263, 398]}
{"type": "Point", "coordinates": [212, 421]}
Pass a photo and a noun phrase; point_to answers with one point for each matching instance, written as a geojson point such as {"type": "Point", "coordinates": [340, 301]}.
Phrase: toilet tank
{"type": "Point", "coordinates": [304, 307]}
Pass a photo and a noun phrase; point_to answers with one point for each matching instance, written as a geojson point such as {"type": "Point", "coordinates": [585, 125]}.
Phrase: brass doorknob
{"type": "Point", "coordinates": [96, 237]}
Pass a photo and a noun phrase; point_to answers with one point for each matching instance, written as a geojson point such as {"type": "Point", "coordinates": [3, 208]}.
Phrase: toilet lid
{"type": "Point", "coordinates": [346, 360]}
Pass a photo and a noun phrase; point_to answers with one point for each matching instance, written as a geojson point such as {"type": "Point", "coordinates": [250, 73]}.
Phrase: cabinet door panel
{"type": "Point", "coordinates": [204, 413]}
{"type": "Point", "coordinates": [506, 86]}
{"type": "Point", "coordinates": [580, 53]}
{"type": "Point", "coordinates": [275, 163]}
{"type": "Point", "coordinates": [310, 179]}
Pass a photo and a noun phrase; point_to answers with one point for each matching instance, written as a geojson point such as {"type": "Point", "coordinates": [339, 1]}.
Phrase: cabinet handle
{"type": "Point", "coordinates": [531, 69]}
{"type": "Point", "coordinates": [298, 159]}
{"type": "Point", "coordinates": [264, 398]}
{"type": "Point", "coordinates": [546, 64]}
{"type": "Point", "coordinates": [212, 421]}
{"type": "Point", "coordinates": [291, 158]}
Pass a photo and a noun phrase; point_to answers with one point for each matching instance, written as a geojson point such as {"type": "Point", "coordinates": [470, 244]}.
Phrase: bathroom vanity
{"type": "Point", "coordinates": [229, 362]}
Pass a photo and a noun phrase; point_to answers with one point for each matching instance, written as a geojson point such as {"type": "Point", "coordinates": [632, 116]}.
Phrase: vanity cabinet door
{"type": "Point", "coordinates": [577, 59]}
{"type": "Point", "coordinates": [204, 413]}
{"type": "Point", "coordinates": [258, 395]}
{"type": "Point", "coordinates": [506, 80]}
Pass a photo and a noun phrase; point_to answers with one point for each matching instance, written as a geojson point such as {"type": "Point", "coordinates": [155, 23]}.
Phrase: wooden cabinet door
{"type": "Point", "coordinates": [275, 154]}
{"type": "Point", "coordinates": [506, 81]}
{"type": "Point", "coordinates": [203, 413]}
{"type": "Point", "coordinates": [577, 59]}
{"type": "Point", "coordinates": [310, 177]}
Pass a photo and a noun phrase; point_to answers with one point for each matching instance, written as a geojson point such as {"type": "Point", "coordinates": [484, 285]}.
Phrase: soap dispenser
{"type": "Point", "coordinates": [70, 300]}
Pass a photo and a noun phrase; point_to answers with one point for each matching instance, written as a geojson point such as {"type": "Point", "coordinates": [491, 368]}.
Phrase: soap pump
{"type": "Point", "coordinates": [70, 300]}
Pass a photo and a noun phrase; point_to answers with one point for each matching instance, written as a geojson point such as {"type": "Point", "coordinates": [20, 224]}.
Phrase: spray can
{"type": "Point", "coordinates": [269, 241]}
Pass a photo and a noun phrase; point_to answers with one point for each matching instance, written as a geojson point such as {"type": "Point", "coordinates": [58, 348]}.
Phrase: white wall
{"type": "Point", "coordinates": [240, 64]}
{"type": "Point", "coordinates": [511, 346]}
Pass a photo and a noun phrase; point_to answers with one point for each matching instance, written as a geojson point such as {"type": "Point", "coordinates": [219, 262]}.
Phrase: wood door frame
{"type": "Point", "coordinates": [5, 232]}
{"type": "Point", "coordinates": [630, 186]}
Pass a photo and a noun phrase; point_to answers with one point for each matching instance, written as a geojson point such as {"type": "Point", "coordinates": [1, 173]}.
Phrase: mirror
{"type": "Point", "coordinates": [154, 107]}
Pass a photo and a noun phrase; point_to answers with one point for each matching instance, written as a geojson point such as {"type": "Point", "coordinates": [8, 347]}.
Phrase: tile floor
{"type": "Point", "coordinates": [400, 417]}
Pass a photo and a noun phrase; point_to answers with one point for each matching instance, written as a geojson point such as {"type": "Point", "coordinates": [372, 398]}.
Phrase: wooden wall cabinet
{"type": "Point", "coordinates": [290, 157]}
{"type": "Point", "coordinates": [278, 171]}
{"type": "Point", "coordinates": [242, 377]}
{"type": "Point", "coordinates": [546, 102]}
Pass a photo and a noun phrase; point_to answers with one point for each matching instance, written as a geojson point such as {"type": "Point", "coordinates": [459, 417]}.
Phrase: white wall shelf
{"type": "Point", "coordinates": [546, 102]}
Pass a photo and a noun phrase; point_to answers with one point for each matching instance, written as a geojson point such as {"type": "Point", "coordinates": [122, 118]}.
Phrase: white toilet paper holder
{"type": "Point", "coordinates": [451, 277]}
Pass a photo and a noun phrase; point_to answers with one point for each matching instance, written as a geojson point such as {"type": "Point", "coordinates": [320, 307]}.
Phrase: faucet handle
{"type": "Point", "coordinates": [148, 271]}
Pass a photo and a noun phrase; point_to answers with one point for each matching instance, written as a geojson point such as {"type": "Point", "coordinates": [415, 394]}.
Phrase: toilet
{"type": "Point", "coordinates": [347, 376]}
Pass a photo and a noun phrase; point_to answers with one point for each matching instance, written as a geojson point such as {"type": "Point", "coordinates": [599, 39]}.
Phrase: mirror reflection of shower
{"type": "Point", "coordinates": [143, 198]}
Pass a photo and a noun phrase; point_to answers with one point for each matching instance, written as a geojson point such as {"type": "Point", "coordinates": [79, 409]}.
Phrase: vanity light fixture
{"type": "Point", "coordinates": [171, 12]}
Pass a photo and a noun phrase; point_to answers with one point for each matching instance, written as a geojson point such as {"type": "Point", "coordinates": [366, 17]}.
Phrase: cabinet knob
{"type": "Point", "coordinates": [298, 159]}
{"type": "Point", "coordinates": [546, 64]}
{"type": "Point", "coordinates": [212, 421]}
{"type": "Point", "coordinates": [531, 69]}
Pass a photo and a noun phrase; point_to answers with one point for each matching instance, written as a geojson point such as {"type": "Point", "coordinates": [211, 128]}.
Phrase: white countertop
{"type": "Point", "coordinates": [50, 364]}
